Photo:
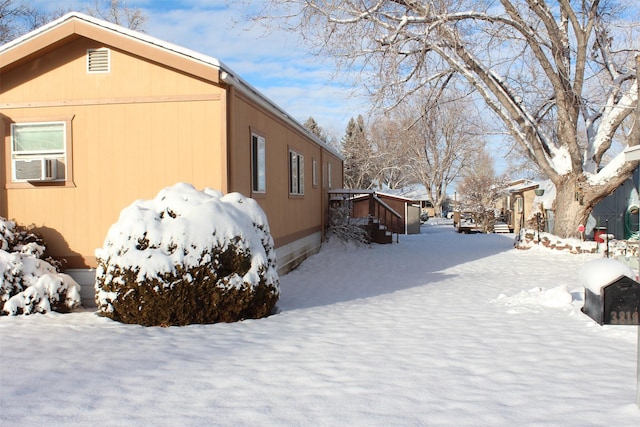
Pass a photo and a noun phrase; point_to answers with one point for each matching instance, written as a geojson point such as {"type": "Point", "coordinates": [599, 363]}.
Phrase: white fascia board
{"type": "Point", "coordinates": [632, 153]}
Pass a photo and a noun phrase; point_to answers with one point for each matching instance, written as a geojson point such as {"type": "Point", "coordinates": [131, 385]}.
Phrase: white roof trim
{"type": "Point", "coordinates": [119, 29]}
{"type": "Point", "coordinates": [632, 153]}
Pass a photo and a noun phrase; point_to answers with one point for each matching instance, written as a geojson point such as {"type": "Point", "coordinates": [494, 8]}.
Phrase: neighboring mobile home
{"type": "Point", "coordinates": [618, 212]}
{"type": "Point", "coordinates": [516, 208]}
{"type": "Point", "coordinates": [94, 116]}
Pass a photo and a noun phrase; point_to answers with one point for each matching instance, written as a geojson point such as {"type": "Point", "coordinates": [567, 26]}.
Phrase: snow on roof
{"type": "Point", "coordinates": [118, 29]}
{"type": "Point", "coordinates": [226, 74]}
{"type": "Point", "coordinates": [390, 193]}
{"type": "Point", "coordinates": [410, 193]}
{"type": "Point", "coordinates": [414, 192]}
{"type": "Point", "coordinates": [548, 197]}
{"type": "Point", "coordinates": [351, 191]}
{"type": "Point", "coordinates": [522, 185]}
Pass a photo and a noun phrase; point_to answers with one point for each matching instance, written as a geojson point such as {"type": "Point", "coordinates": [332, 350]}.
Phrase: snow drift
{"type": "Point", "coordinates": [188, 256]}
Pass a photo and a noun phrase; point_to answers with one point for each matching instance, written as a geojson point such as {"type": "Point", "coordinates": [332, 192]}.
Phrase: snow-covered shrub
{"type": "Point", "coordinates": [185, 257]}
{"type": "Point", "coordinates": [347, 229]}
{"type": "Point", "coordinates": [29, 284]}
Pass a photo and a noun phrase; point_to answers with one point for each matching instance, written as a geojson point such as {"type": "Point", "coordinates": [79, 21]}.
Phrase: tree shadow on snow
{"type": "Point", "coordinates": [341, 273]}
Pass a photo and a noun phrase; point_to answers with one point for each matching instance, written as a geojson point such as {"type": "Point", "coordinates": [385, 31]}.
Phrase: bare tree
{"type": "Point", "coordinates": [443, 138]}
{"type": "Point", "coordinates": [480, 189]}
{"type": "Point", "coordinates": [559, 75]}
{"type": "Point", "coordinates": [20, 17]}
{"type": "Point", "coordinates": [17, 18]}
{"type": "Point", "coordinates": [118, 12]}
{"type": "Point", "coordinates": [389, 158]}
{"type": "Point", "coordinates": [10, 14]}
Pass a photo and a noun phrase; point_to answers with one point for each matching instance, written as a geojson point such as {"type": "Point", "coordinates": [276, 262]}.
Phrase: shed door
{"type": "Point", "coordinates": [413, 219]}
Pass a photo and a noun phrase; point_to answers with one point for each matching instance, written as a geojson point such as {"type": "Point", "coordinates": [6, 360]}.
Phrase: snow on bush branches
{"type": "Point", "coordinates": [29, 284]}
{"type": "Point", "coordinates": [185, 257]}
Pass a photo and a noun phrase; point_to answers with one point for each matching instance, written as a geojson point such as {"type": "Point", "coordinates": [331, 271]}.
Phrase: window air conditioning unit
{"type": "Point", "coordinates": [39, 169]}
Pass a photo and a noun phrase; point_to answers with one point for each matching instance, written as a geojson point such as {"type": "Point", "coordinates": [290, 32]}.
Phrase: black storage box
{"type": "Point", "coordinates": [617, 304]}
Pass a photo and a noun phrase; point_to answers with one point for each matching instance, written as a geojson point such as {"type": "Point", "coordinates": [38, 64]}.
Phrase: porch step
{"type": "Point", "coordinates": [501, 227]}
{"type": "Point", "coordinates": [380, 234]}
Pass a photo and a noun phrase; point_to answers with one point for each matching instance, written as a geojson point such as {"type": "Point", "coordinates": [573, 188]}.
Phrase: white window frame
{"type": "Point", "coordinates": [258, 164]}
{"type": "Point", "coordinates": [296, 173]}
{"type": "Point", "coordinates": [314, 173]}
{"type": "Point", "coordinates": [59, 156]}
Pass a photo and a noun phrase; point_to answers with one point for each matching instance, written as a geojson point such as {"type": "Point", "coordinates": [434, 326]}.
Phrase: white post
{"type": "Point", "coordinates": [638, 349]}
{"type": "Point", "coordinates": [633, 153]}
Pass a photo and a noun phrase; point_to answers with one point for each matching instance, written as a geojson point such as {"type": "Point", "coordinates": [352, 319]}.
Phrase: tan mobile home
{"type": "Point", "coordinates": [517, 206]}
{"type": "Point", "coordinates": [94, 116]}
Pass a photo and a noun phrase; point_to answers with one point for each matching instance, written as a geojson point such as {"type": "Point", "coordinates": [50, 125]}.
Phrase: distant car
{"type": "Point", "coordinates": [424, 217]}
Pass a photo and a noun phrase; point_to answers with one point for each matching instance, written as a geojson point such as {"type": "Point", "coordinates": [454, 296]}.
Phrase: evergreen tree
{"type": "Point", "coordinates": [312, 126]}
{"type": "Point", "coordinates": [358, 154]}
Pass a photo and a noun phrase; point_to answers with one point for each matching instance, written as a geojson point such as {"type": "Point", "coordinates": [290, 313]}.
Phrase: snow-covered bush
{"type": "Point", "coordinates": [347, 229]}
{"type": "Point", "coordinates": [29, 284]}
{"type": "Point", "coordinates": [185, 257]}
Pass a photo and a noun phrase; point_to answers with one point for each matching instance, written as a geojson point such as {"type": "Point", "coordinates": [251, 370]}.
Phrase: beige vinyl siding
{"type": "Point", "coordinates": [62, 75]}
{"type": "Point", "coordinates": [289, 217]}
{"type": "Point", "coordinates": [135, 130]}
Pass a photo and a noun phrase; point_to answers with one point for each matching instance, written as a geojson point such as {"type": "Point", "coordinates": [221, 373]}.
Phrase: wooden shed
{"type": "Point", "coordinates": [94, 116]}
{"type": "Point", "coordinates": [399, 215]}
{"type": "Point", "coordinates": [408, 209]}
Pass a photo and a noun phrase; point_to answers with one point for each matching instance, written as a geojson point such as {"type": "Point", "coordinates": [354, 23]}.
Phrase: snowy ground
{"type": "Point", "coordinates": [442, 329]}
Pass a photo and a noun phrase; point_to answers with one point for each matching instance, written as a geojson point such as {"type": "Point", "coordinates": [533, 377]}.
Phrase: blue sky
{"type": "Point", "coordinates": [276, 64]}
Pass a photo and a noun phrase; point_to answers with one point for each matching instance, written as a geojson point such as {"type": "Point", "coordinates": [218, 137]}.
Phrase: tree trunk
{"type": "Point", "coordinates": [569, 211]}
{"type": "Point", "coordinates": [437, 209]}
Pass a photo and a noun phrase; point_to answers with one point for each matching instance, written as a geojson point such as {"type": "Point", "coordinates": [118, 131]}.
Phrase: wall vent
{"type": "Point", "coordinates": [98, 61]}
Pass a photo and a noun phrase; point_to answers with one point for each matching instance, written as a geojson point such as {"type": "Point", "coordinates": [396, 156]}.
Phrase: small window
{"type": "Point", "coordinates": [329, 174]}
{"type": "Point", "coordinates": [296, 173]}
{"type": "Point", "coordinates": [98, 61]}
{"type": "Point", "coordinates": [258, 166]}
{"type": "Point", "coordinates": [314, 171]}
{"type": "Point", "coordinates": [38, 151]}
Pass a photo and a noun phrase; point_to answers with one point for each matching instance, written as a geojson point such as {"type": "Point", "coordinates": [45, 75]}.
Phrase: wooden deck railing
{"type": "Point", "coordinates": [388, 217]}
{"type": "Point", "coordinates": [378, 211]}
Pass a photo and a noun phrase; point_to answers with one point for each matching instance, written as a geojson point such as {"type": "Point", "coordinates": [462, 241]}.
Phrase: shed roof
{"type": "Point", "coordinates": [75, 24]}
{"type": "Point", "coordinates": [413, 193]}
